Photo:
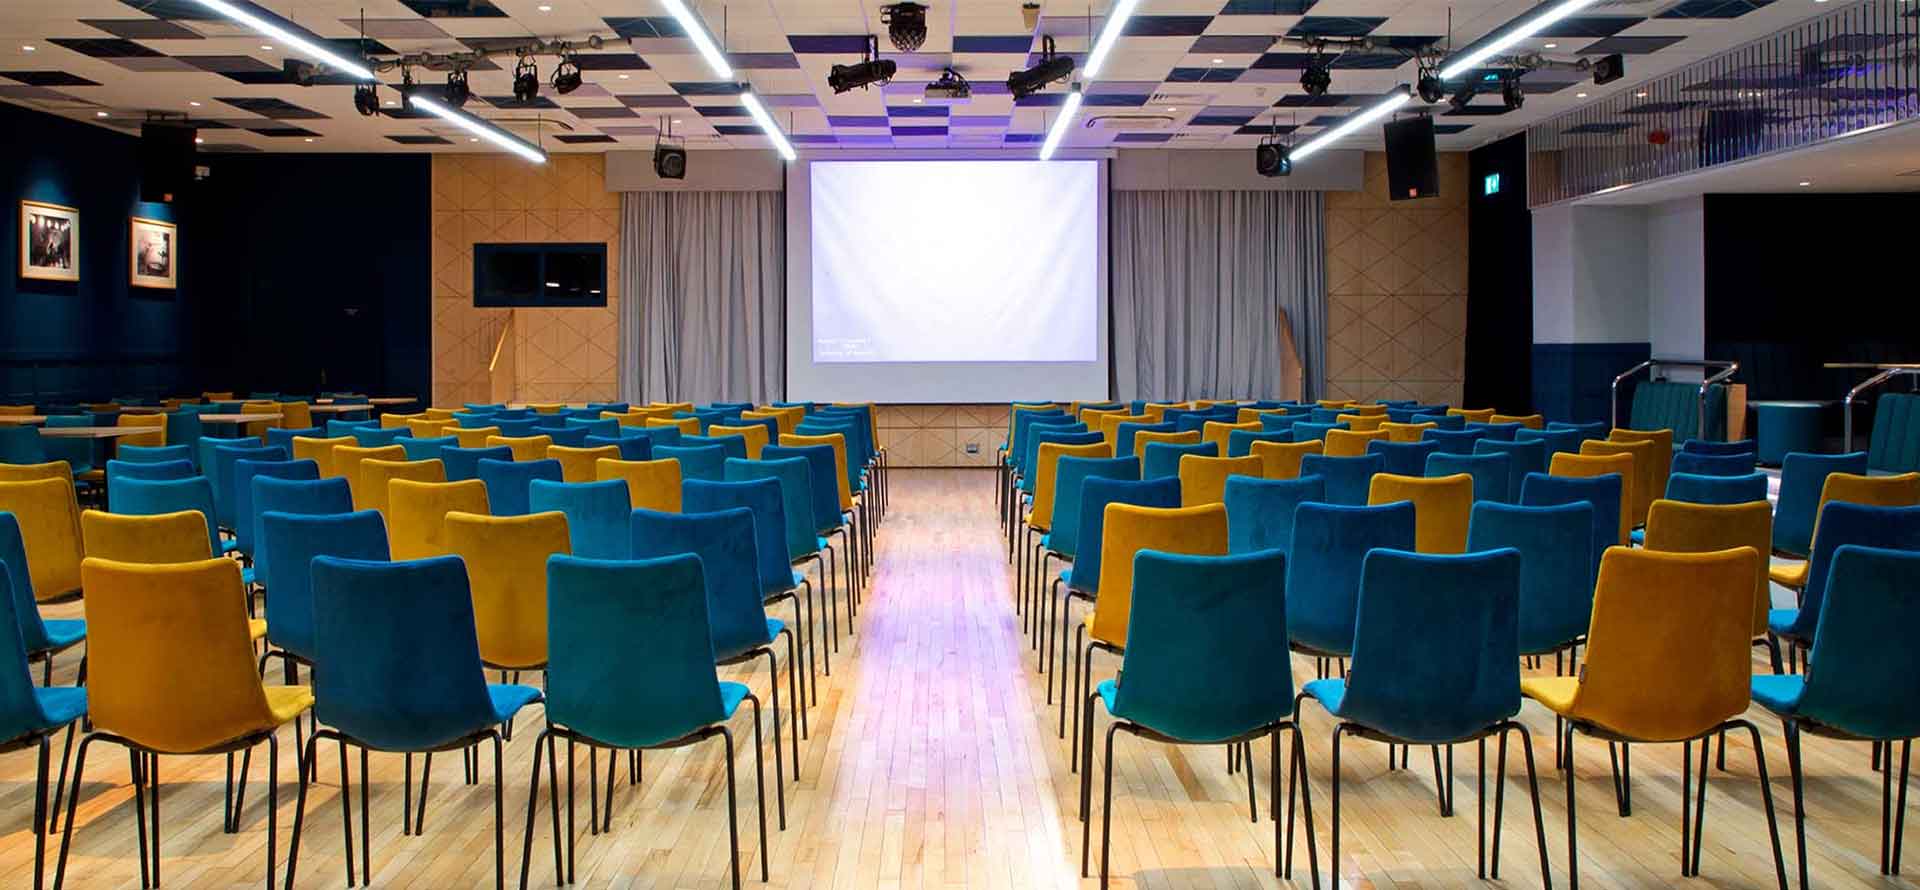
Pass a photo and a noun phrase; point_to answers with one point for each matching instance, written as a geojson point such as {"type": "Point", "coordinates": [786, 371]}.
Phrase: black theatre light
{"type": "Point", "coordinates": [906, 25]}
{"type": "Point", "coordinates": [457, 91]}
{"type": "Point", "coordinates": [1610, 69]}
{"type": "Point", "coordinates": [566, 76]}
{"type": "Point", "coordinates": [1511, 93]}
{"type": "Point", "coordinates": [1464, 96]}
{"type": "Point", "coordinates": [526, 81]}
{"type": "Point", "coordinates": [1032, 80]}
{"type": "Point", "coordinates": [1317, 78]}
{"type": "Point", "coordinates": [1431, 89]}
{"type": "Point", "coordinates": [366, 99]}
{"type": "Point", "coordinates": [861, 74]}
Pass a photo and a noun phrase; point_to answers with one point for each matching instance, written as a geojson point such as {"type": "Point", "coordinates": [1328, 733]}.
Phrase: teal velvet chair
{"type": "Point", "coordinates": [304, 497]}
{"type": "Point", "coordinates": [827, 520]}
{"type": "Point", "coordinates": [763, 499]}
{"type": "Point", "coordinates": [1081, 580]}
{"type": "Point", "coordinates": [1522, 458]}
{"type": "Point", "coordinates": [516, 414]}
{"type": "Point", "coordinates": [597, 524]}
{"type": "Point", "coordinates": [550, 422]}
{"type": "Point", "coordinates": [30, 715]}
{"type": "Point", "coordinates": [1440, 419]}
{"type": "Point", "coordinates": [655, 435]}
{"type": "Point", "coordinates": [1240, 442]}
{"type": "Point", "coordinates": [1160, 460]}
{"type": "Point", "coordinates": [1713, 464]}
{"type": "Point", "coordinates": [337, 428]}
{"type": "Point", "coordinates": [464, 463]}
{"type": "Point", "coordinates": [1555, 543]}
{"type": "Point", "coordinates": [630, 448]}
{"type": "Point", "coordinates": [604, 428]}
{"type": "Point", "coordinates": [708, 462]}
{"type": "Point", "coordinates": [1041, 434]}
{"type": "Point", "coordinates": [734, 447]}
{"type": "Point", "coordinates": [219, 471]}
{"type": "Point", "coordinates": [42, 638]}
{"type": "Point", "coordinates": [473, 420]}
{"type": "Point", "coordinates": [167, 469]}
{"type": "Point", "coordinates": [427, 447]}
{"type": "Point", "coordinates": [1348, 479]}
{"type": "Point", "coordinates": [1601, 492]}
{"type": "Point", "coordinates": [1307, 431]}
{"type": "Point", "coordinates": [1500, 432]}
{"type": "Point", "coordinates": [1017, 432]}
{"type": "Point", "coordinates": [297, 538]}
{"type": "Point", "coordinates": [1452, 441]}
{"type": "Point", "coordinates": [1802, 478]}
{"type": "Point", "coordinates": [399, 671]}
{"type": "Point", "coordinates": [516, 428]}
{"type": "Point", "coordinates": [1717, 489]}
{"type": "Point", "coordinates": [614, 407]}
{"type": "Point", "coordinates": [246, 525]}
{"type": "Point", "coordinates": [1326, 415]}
{"type": "Point", "coordinates": [184, 429]}
{"type": "Point", "coordinates": [1557, 441]}
{"type": "Point", "coordinates": [1435, 662]}
{"type": "Point", "coordinates": [1063, 538]}
{"type": "Point", "coordinates": [1330, 543]}
{"type": "Point", "coordinates": [1123, 433]}
{"type": "Point", "coordinates": [1841, 523]}
{"type": "Point", "coordinates": [1234, 610]}
{"type": "Point", "coordinates": [1492, 473]}
{"type": "Point", "coordinates": [1401, 458]}
{"type": "Point", "coordinates": [149, 454]}
{"type": "Point", "coordinates": [1702, 446]}
{"type": "Point", "coordinates": [1864, 690]}
{"type": "Point", "coordinates": [283, 438]}
{"type": "Point", "coordinates": [1595, 429]}
{"type": "Point", "coordinates": [794, 475]}
{"type": "Point", "coordinates": [569, 438]}
{"type": "Point", "coordinates": [1260, 511]}
{"type": "Point", "coordinates": [632, 667]}
{"type": "Point", "coordinates": [377, 438]}
{"type": "Point", "coordinates": [707, 417]}
{"type": "Point", "coordinates": [151, 497]}
{"type": "Point", "coordinates": [509, 483]}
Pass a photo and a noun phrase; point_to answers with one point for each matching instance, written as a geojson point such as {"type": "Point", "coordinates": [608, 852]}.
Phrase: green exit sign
{"type": "Point", "coordinates": [1492, 184]}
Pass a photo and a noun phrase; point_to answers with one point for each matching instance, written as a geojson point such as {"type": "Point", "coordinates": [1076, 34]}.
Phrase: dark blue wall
{"type": "Point", "coordinates": [1572, 381]}
{"type": "Point", "coordinates": [1499, 280]}
{"type": "Point", "coordinates": [98, 337]}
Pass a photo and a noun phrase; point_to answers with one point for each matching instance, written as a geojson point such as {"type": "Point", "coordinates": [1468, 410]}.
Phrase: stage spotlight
{"type": "Point", "coordinates": [861, 74]}
{"type": "Point", "coordinates": [1051, 68]}
{"type": "Point", "coordinates": [1610, 69]}
{"type": "Point", "coordinates": [1317, 78]}
{"type": "Point", "coordinates": [1431, 89]}
{"type": "Point", "coordinates": [1463, 97]}
{"type": "Point", "coordinates": [1511, 93]}
{"type": "Point", "coordinates": [366, 99]}
{"type": "Point", "coordinates": [1273, 159]}
{"type": "Point", "coordinates": [406, 89]}
{"type": "Point", "coordinates": [906, 25]}
{"type": "Point", "coordinates": [526, 81]}
{"type": "Point", "coordinates": [457, 91]}
{"type": "Point", "coordinates": [566, 76]}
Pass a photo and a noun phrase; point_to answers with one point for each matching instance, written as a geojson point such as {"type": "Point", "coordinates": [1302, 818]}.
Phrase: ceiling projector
{"type": "Point", "coordinates": [950, 87]}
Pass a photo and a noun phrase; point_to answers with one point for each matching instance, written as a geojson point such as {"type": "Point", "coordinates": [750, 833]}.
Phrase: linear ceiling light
{"type": "Point", "coordinates": [697, 32]}
{"type": "Point", "coordinates": [1109, 34]}
{"type": "Point", "coordinates": [765, 120]}
{"type": "Point", "coordinates": [1512, 34]}
{"type": "Point", "coordinates": [481, 128]}
{"type": "Point", "coordinates": [300, 44]}
{"type": "Point", "coordinates": [1059, 129]}
{"type": "Point", "coordinates": [1378, 110]}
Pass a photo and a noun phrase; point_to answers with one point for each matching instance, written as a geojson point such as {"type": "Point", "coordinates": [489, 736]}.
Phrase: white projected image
{"type": "Point", "coordinates": [955, 261]}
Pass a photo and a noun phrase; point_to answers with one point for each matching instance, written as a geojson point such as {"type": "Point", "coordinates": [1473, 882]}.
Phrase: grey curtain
{"type": "Point", "coordinates": [1204, 282]}
{"type": "Point", "coordinates": [702, 280]}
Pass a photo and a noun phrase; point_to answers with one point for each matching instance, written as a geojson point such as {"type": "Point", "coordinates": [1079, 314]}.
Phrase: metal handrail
{"type": "Point", "coordinates": [1727, 370]}
{"type": "Point", "coordinates": [1846, 409]}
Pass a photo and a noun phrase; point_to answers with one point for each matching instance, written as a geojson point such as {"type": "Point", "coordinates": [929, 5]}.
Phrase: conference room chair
{"type": "Point", "coordinates": [1128, 529]}
{"type": "Point", "coordinates": [1803, 479]}
{"type": "Point", "coordinates": [369, 693]}
{"type": "Point", "coordinates": [765, 498]}
{"type": "Point", "coordinates": [1222, 433]}
{"type": "Point", "coordinates": [1329, 544]}
{"type": "Point", "coordinates": [296, 414]}
{"type": "Point", "coordinates": [1704, 446]}
{"type": "Point", "coordinates": [416, 514]}
{"type": "Point", "coordinates": [1650, 468]}
{"type": "Point", "coordinates": [656, 436]}
{"type": "Point", "coordinates": [377, 475]}
{"type": "Point", "coordinates": [546, 407]}
{"type": "Point", "coordinates": [1161, 459]}
{"type": "Point", "coordinates": [1530, 421]}
{"type": "Point", "coordinates": [1442, 505]}
{"type": "Point", "coordinates": [1234, 609]}
{"type": "Point", "coordinates": [509, 483]}
{"type": "Point", "coordinates": [1713, 464]}
{"type": "Point", "coordinates": [860, 459]}
{"type": "Point", "coordinates": [471, 419]}
{"type": "Point", "coordinates": [1204, 478]}
{"type": "Point", "coordinates": [1368, 409]}
{"type": "Point", "coordinates": [1361, 423]}
{"type": "Point", "coordinates": [42, 638]}
{"type": "Point", "coordinates": [784, 419]}
{"type": "Point", "coordinates": [820, 518]}
{"type": "Point", "coordinates": [1453, 441]}
{"type": "Point", "coordinates": [688, 426]}
{"type": "Point", "coordinates": [1407, 432]}
{"type": "Point", "coordinates": [1681, 527]}
{"type": "Point", "coordinates": [1403, 458]}
{"type": "Point", "coordinates": [136, 454]}
{"type": "Point", "coordinates": [351, 428]}
{"type": "Point", "coordinates": [1491, 473]}
{"type": "Point", "coordinates": [794, 474]}
{"type": "Point", "coordinates": [1326, 415]}
{"type": "Point", "coordinates": [1593, 429]}
{"type": "Point", "coordinates": [1436, 415]}
{"type": "Point", "coordinates": [1841, 523]}
{"type": "Point", "coordinates": [1555, 543]}
{"type": "Point", "coordinates": [1144, 438]}
{"type": "Point", "coordinates": [570, 437]}
{"type": "Point", "coordinates": [707, 462]}
{"type": "Point", "coordinates": [625, 448]}
{"type": "Point", "coordinates": [425, 428]}
{"type": "Point", "coordinates": [506, 561]}
{"type": "Point", "coordinates": [171, 671]}
{"type": "Point", "coordinates": [1126, 432]}
{"type": "Point", "coordinates": [320, 451]}
{"type": "Point", "coordinates": [1191, 420]}
{"type": "Point", "coordinates": [156, 497]}
{"type": "Point", "coordinates": [1473, 415]}
{"type": "Point", "coordinates": [846, 529]}
{"type": "Point", "coordinates": [868, 415]}
{"type": "Point", "coordinates": [1347, 478]}
{"type": "Point", "coordinates": [1556, 441]}
{"type": "Point", "coordinates": [651, 484]}
{"type": "Point", "coordinates": [1522, 458]}
{"type": "Point", "coordinates": [730, 446]}
{"type": "Point", "coordinates": [1620, 464]}
{"type": "Point", "coordinates": [524, 448]}
{"type": "Point", "coordinates": [172, 469]}
{"type": "Point", "coordinates": [1501, 431]}
{"type": "Point", "coordinates": [578, 464]}
{"type": "Point", "coordinates": [283, 438]}
{"type": "Point", "coordinates": [49, 517]}
{"type": "Point", "coordinates": [218, 458]}
{"type": "Point", "coordinates": [155, 422]}
{"type": "Point", "coordinates": [1699, 641]}
{"type": "Point", "coordinates": [1348, 443]}
{"type": "Point", "coordinates": [1601, 492]}
{"type": "Point", "coordinates": [53, 469]}
{"type": "Point", "coordinates": [246, 515]}
{"type": "Point", "coordinates": [400, 420]}
{"type": "Point", "coordinates": [438, 413]}
{"type": "Point", "coordinates": [30, 715]}
{"type": "Point", "coordinates": [1019, 417]}
{"type": "Point", "coordinates": [426, 448]}
{"type": "Point", "coordinates": [609, 429]}
{"type": "Point", "coordinates": [596, 513]}
{"type": "Point", "coordinates": [1158, 410]}
{"type": "Point", "coordinates": [1281, 460]}
{"type": "Point", "coordinates": [463, 463]}
{"type": "Point", "coordinates": [1879, 491]}
{"type": "Point", "coordinates": [1716, 489]}
{"type": "Point", "coordinates": [476, 437]}
{"type": "Point", "coordinates": [1435, 662]}
{"type": "Point", "coordinates": [1037, 520]}
{"type": "Point", "coordinates": [516, 428]}
{"type": "Point", "coordinates": [377, 438]}
{"type": "Point", "coordinates": [1240, 441]}
{"type": "Point", "coordinates": [1097, 419]}
{"type": "Point", "coordinates": [347, 460]}
{"type": "Point", "coordinates": [1260, 511]}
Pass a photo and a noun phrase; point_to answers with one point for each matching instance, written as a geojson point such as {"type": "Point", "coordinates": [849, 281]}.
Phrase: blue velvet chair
{"type": "Point", "coordinates": [283, 438]}
{"type": "Point", "coordinates": [707, 417]}
{"type": "Point", "coordinates": [303, 497]}
{"type": "Point", "coordinates": [550, 422]}
{"type": "Point", "coordinates": [1713, 464]}
{"type": "Point", "coordinates": [427, 447]}
{"type": "Point", "coordinates": [183, 429]}
{"type": "Point", "coordinates": [1041, 434]}
{"type": "Point", "coordinates": [1162, 459]}
{"type": "Point", "coordinates": [656, 436]}
{"type": "Point", "coordinates": [1325, 415]}
{"type": "Point", "coordinates": [1702, 446]}
{"type": "Point", "coordinates": [1453, 441]}
{"type": "Point", "coordinates": [597, 524]}
{"type": "Point", "coordinates": [399, 671]}
{"type": "Point", "coordinates": [1064, 535]}
{"type": "Point", "coordinates": [247, 518]}
{"type": "Point", "coordinates": [733, 446]}
{"type": "Point", "coordinates": [1595, 429]}
{"type": "Point", "coordinates": [1123, 434]}
{"type": "Point", "coordinates": [462, 464]}
{"type": "Point", "coordinates": [1522, 458]}
{"type": "Point", "coordinates": [42, 638]}
{"type": "Point", "coordinates": [1717, 489]}
{"type": "Point", "coordinates": [30, 715]}
{"type": "Point", "coordinates": [800, 545]}
{"type": "Point", "coordinates": [1864, 689]}
{"type": "Point", "coordinates": [513, 428]}
{"type": "Point", "coordinates": [1260, 511]}
{"type": "Point", "coordinates": [568, 438]}
{"type": "Point", "coordinates": [1441, 421]}
{"type": "Point", "coordinates": [1330, 543]}
{"type": "Point", "coordinates": [1499, 432]}
{"type": "Point", "coordinates": [1555, 543]}
{"type": "Point", "coordinates": [509, 483]}
{"type": "Point", "coordinates": [1234, 609]}
{"type": "Point", "coordinates": [337, 428]}
{"type": "Point", "coordinates": [608, 429]}
{"type": "Point", "coordinates": [1841, 523]}
{"type": "Point", "coordinates": [1802, 478]}
{"type": "Point", "coordinates": [707, 462]}
{"type": "Point", "coordinates": [473, 421]}
{"type": "Point", "coordinates": [1401, 458]}
{"type": "Point", "coordinates": [1348, 479]}
{"type": "Point", "coordinates": [377, 438]}
{"type": "Point", "coordinates": [1435, 662]}
{"type": "Point", "coordinates": [630, 448]}
{"type": "Point", "coordinates": [298, 538]}
{"type": "Point", "coordinates": [1017, 432]}
{"type": "Point", "coordinates": [1557, 441]}
{"type": "Point", "coordinates": [632, 667]}
{"type": "Point", "coordinates": [219, 471]}
{"type": "Point", "coordinates": [763, 499]}
{"type": "Point", "coordinates": [152, 497]}
{"type": "Point", "coordinates": [168, 469]}
{"type": "Point", "coordinates": [1492, 473]}
{"type": "Point", "coordinates": [1601, 492]}
{"type": "Point", "coordinates": [824, 513]}
{"type": "Point", "coordinates": [150, 454]}
{"type": "Point", "coordinates": [1240, 442]}
{"type": "Point", "coordinates": [1307, 431]}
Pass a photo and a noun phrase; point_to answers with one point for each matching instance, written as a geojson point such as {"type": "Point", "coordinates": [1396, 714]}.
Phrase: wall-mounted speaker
{"type": "Point", "coordinates": [166, 162]}
{"type": "Point", "coordinates": [1272, 159]}
{"type": "Point", "coordinates": [670, 162]}
{"type": "Point", "coordinates": [1413, 169]}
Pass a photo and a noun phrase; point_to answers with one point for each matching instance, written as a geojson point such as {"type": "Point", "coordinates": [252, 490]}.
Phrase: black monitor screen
{"type": "Point", "coordinates": [506, 275]}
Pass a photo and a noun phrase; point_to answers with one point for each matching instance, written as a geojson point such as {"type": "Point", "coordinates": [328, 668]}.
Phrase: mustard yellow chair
{"type": "Point", "coordinates": [670, 407]}
{"type": "Point", "coordinates": [633, 417]}
{"type": "Point", "coordinates": [1203, 479]}
{"type": "Point", "coordinates": [1281, 460]}
{"type": "Point", "coordinates": [346, 464]}
{"type": "Point", "coordinates": [391, 421]}
{"type": "Point", "coordinates": [417, 513]}
{"type": "Point", "coordinates": [787, 419]}
{"type": "Point", "coordinates": [839, 443]}
{"type": "Point", "coordinates": [16, 411]}
{"type": "Point", "coordinates": [651, 484]}
{"type": "Point", "coordinates": [1667, 661]}
{"type": "Point", "coordinates": [523, 447]}
{"type": "Point", "coordinates": [755, 435]}
{"type": "Point", "coordinates": [49, 518]}
{"type": "Point", "coordinates": [473, 437]}
{"type": "Point", "coordinates": [1530, 421]}
{"type": "Point", "coordinates": [546, 407]}
{"type": "Point", "coordinates": [217, 396]}
{"type": "Point", "coordinates": [1335, 403]}
{"type": "Point", "coordinates": [155, 422]}
{"type": "Point", "coordinates": [579, 464]}
{"type": "Point", "coordinates": [439, 413]}
{"type": "Point", "coordinates": [688, 426]}
{"type": "Point", "coordinates": [1038, 519]}
{"type": "Point", "coordinates": [1681, 527]}
{"type": "Point", "coordinates": [1157, 411]}
{"type": "Point", "coordinates": [1873, 491]}
{"type": "Point", "coordinates": [506, 559]}
{"type": "Point", "coordinates": [1441, 507]}
{"type": "Point", "coordinates": [1473, 415]}
{"type": "Point", "coordinates": [53, 469]}
{"type": "Point", "coordinates": [1406, 432]}
{"type": "Point", "coordinates": [1361, 423]}
{"type": "Point", "coordinates": [1590, 465]}
{"type": "Point", "coordinates": [1367, 409]}
{"type": "Point", "coordinates": [430, 428]}
{"type": "Point", "coordinates": [1645, 474]}
{"type": "Point", "coordinates": [1144, 438]}
{"type": "Point", "coordinates": [258, 429]}
{"type": "Point", "coordinates": [294, 415]}
{"type": "Point", "coordinates": [158, 538]}
{"type": "Point", "coordinates": [171, 671]}
{"type": "Point", "coordinates": [1110, 424]}
{"type": "Point", "coordinates": [1661, 463]}
{"type": "Point", "coordinates": [320, 451]}
{"type": "Point", "coordinates": [1216, 432]}
{"type": "Point", "coordinates": [1347, 443]}
{"type": "Point", "coordinates": [377, 475]}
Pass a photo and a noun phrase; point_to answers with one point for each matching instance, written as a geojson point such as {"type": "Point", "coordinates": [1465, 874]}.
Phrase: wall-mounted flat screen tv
{"type": "Point", "coordinates": [539, 275]}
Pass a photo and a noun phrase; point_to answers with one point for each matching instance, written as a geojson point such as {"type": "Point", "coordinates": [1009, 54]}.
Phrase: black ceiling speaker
{"type": "Point", "coordinates": [1413, 168]}
{"type": "Point", "coordinates": [670, 162]}
{"type": "Point", "coordinates": [166, 162]}
{"type": "Point", "coordinates": [1272, 159]}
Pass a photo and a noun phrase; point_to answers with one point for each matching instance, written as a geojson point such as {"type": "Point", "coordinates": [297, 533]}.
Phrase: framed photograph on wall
{"type": "Point", "coordinates": [155, 253]}
{"type": "Point", "coordinates": [49, 241]}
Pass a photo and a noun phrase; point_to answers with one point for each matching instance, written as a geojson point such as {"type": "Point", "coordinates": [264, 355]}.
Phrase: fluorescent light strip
{"type": "Point", "coordinates": [1354, 122]}
{"type": "Point", "coordinates": [1109, 34]}
{"type": "Point", "coordinates": [765, 120]}
{"type": "Point", "coordinates": [483, 129]}
{"type": "Point", "coordinates": [1059, 129]}
{"type": "Point", "coordinates": [305, 47]}
{"type": "Point", "coordinates": [1514, 34]}
{"type": "Point", "coordinates": [697, 32]}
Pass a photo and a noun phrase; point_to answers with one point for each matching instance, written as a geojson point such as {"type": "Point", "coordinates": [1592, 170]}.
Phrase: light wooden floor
{"type": "Point", "coordinates": [933, 762]}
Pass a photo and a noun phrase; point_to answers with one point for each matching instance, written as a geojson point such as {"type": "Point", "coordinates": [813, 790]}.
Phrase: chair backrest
{"type": "Point", "coordinates": [1329, 546]}
{"type": "Point", "coordinates": [508, 483]}
{"type": "Point", "coordinates": [1097, 493]}
{"type": "Point", "coordinates": [1453, 441]}
{"type": "Point", "coordinates": [1203, 478]}
{"type": "Point", "coordinates": [246, 517]}
{"type": "Point", "coordinates": [1491, 473]}
{"type": "Point", "coordinates": [519, 429]}
{"type": "Point", "coordinates": [157, 538]}
{"type": "Point", "coordinates": [570, 437]}
{"type": "Point", "coordinates": [1803, 478]}
{"type": "Point", "coordinates": [1144, 438]}
{"type": "Point", "coordinates": [1361, 423]}
{"type": "Point", "coordinates": [349, 428]}
{"type": "Point", "coordinates": [1442, 506]}
{"type": "Point", "coordinates": [426, 447]}
{"type": "Point", "coordinates": [706, 462]}
{"type": "Point", "coordinates": [580, 464]}
{"type": "Point", "coordinates": [824, 508]}
{"type": "Point", "coordinates": [1894, 446]}
{"type": "Point", "coordinates": [1281, 460]}
{"type": "Point", "coordinates": [1109, 426]}
{"type": "Point", "coordinates": [1260, 511]}
{"type": "Point", "coordinates": [1348, 479]}
{"type": "Point", "coordinates": [524, 448]}
{"type": "Point", "coordinates": [1878, 491]}
{"type": "Point", "coordinates": [1556, 441]}
{"type": "Point", "coordinates": [1076, 434]}
{"type": "Point", "coordinates": [1843, 523]}
{"type": "Point", "coordinates": [1679, 527]}
{"type": "Point", "coordinates": [1476, 415]}
{"type": "Point", "coordinates": [53, 469]}
{"type": "Point", "coordinates": [49, 518]}
{"type": "Point", "coordinates": [506, 558]}
{"type": "Point", "coordinates": [1349, 443]}
{"type": "Point", "coordinates": [838, 443]}
{"type": "Point", "coordinates": [138, 454]}
{"type": "Point", "coordinates": [21, 635]}
{"type": "Point", "coordinates": [762, 499]}
{"type": "Point", "coordinates": [295, 539]}
{"type": "Point", "coordinates": [20, 444]}
{"type": "Point", "coordinates": [423, 428]}
{"type": "Point", "coordinates": [1529, 421]}
{"type": "Point", "coordinates": [1234, 608]}
{"type": "Point", "coordinates": [651, 484]}
{"type": "Point", "coordinates": [625, 447]}
{"type": "Point", "coordinates": [15, 573]}
{"type": "Point", "coordinates": [1713, 464]}
{"type": "Point", "coordinates": [1716, 489]}
{"type": "Point", "coordinates": [1129, 529]}
{"type": "Point", "coordinates": [172, 469]}
{"type": "Point", "coordinates": [1649, 472]}
{"type": "Point", "coordinates": [795, 477]}
{"type": "Point", "coordinates": [1864, 686]}
{"type": "Point", "coordinates": [169, 655]}
{"type": "Point", "coordinates": [417, 513]}
{"type": "Point", "coordinates": [226, 498]}
{"type": "Point", "coordinates": [1161, 459]}
{"type": "Point", "coordinates": [1435, 644]}
{"type": "Point", "coordinates": [1240, 441]}
{"type": "Point", "coordinates": [596, 514]}
{"type": "Point", "coordinates": [156, 422]}
{"type": "Point", "coordinates": [419, 695]}
{"type": "Point", "coordinates": [477, 437]}
{"type": "Point", "coordinates": [152, 497]}
{"type": "Point", "coordinates": [1126, 434]}
{"type": "Point", "coordinates": [320, 451]}
{"type": "Point", "coordinates": [1556, 566]}
{"type": "Point", "coordinates": [379, 437]}
{"type": "Point", "coordinates": [1703, 446]}
{"type": "Point", "coordinates": [1407, 432]}
{"type": "Point", "coordinates": [1403, 458]}
{"type": "Point", "coordinates": [1453, 422]}
{"type": "Point", "coordinates": [1578, 466]}
{"type": "Point", "coordinates": [723, 539]}
{"type": "Point", "coordinates": [1682, 618]}
{"type": "Point", "coordinates": [1522, 458]}
{"type": "Point", "coordinates": [1046, 475]}
{"type": "Point", "coordinates": [1500, 431]}
{"type": "Point", "coordinates": [377, 475]}
{"type": "Point", "coordinates": [755, 436]}
{"type": "Point", "coordinates": [1221, 433]}
{"type": "Point", "coordinates": [347, 460]}
{"type": "Point", "coordinates": [1063, 525]}
{"type": "Point", "coordinates": [462, 463]}
{"type": "Point", "coordinates": [270, 494]}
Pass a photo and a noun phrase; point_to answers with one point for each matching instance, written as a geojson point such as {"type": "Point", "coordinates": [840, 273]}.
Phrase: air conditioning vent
{"type": "Point", "coordinates": [1165, 98]}
{"type": "Point", "coordinates": [1129, 123]}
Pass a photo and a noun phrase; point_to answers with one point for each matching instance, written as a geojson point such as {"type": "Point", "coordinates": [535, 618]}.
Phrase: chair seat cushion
{"type": "Point", "coordinates": [731, 695]}
{"type": "Point", "coordinates": [1779, 693]}
{"type": "Point", "coordinates": [822, 543]}
{"type": "Point", "coordinates": [288, 702]}
{"type": "Point", "coordinates": [64, 632]}
{"type": "Point", "coordinates": [229, 545]}
{"type": "Point", "coordinates": [1792, 576]}
{"type": "Point", "coordinates": [509, 698]}
{"type": "Point", "coordinates": [247, 576]}
{"type": "Point", "coordinates": [1107, 690]}
{"type": "Point", "coordinates": [1781, 621]}
{"type": "Point", "coordinates": [61, 704]}
{"type": "Point", "coordinates": [256, 628]}
{"type": "Point", "coordinates": [1553, 693]}
{"type": "Point", "coordinates": [774, 627]}
{"type": "Point", "coordinates": [1330, 693]}
{"type": "Point", "coordinates": [799, 578]}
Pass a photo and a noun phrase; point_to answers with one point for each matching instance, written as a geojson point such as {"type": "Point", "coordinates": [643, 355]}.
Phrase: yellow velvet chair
{"type": "Point", "coordinates": [417, 513]}
{"type": "Point", "coordinates": [546, 407]}
{"type": "Point", "coordinates": [1406, 432]}
{"type": "Point", "coordinates": [393, 421]}
{"type": "Point", "coordinates": [1281, 460]}
{"type": "Point", "coordinates": [1157, 411]}
{"type": "Point", "coordinates": [1347, 443]}
{"type": "Point", "coordinates": [1473, 415]}
{"type": "Point", "coordinates": [1589, 465]}
{"type": "Point", "coordinates": [320, 451]}
{"type": "Point", "coordinates": [787, 419]}
{"type": "Point", "coordinates": [16, 411]}
{"type": "Point", "coordinates": [755, 435]}
{"type": "Point", "coordinates": [377, 475]}
{"type": "Point", "coordinates": [1530, 421]}
{"type": "Point", "coordinates": [439, 413]}
{"type": "Point", "coordinates": [473, 437]}
{"type": "Point", "coordinates": [671, 407]}
{"type": "Point", "coordinates": [1362, 423]}
{"type": "Point", "coordinates": [157, 538]}
{"type": "Point", "coordinates": [1661, 464]}
{"type": "Point", "coordinates": [1681, 527]}
{"type": "Point", "coordinates": [1873, 491]}
{"type": "Point", "coordinates": [651, 484]}
{"type": "Point", "coordinates": [1146, 437]}
{"type": "Point", "coordinates": [53, 469]}
{"type": "Point", "coordinates": [258, 429]}
{"type": "Point", "coordinates": [1442, 506]}
{"type": "Point", "coordinates": [294, 415]}
{"type": "Point", "coordinates": [217, 396]}
{"type": "Point", "coordinates": [1203, 479]}
{"type": "Point", "coordinates": [430, 428]}
{"type": "Point", "coordinates": [1647, 472]}
{"type": "Point", "coordinates": [1091, 416]}
{"type": "Point", "coordinates": [346, 464]}
{"type": "Point", "coordinates": [1251, 415]}
{"type": "Point", "coordinates": [506, 559]}
{"type": "Point", "coordinates": [1335, 403]}
{"type": "Point", "coordinates": [688, 426]}
{"type": "Point", "coordinates": [155, 422]}
{"type": "Point", "coordinates": [839, 443]}
{"type": "Point", "coordinates": [523, 447]}
{"type": "Point", "coordinates": [49, 518]}
{"type": "Point", "coordinates": [1367, 410]}
{"type": "Point", "coordinates": [1110, 424]}
{"type": "Point", "coordinates": [1047, 470]}
{"type": "Point", "coordinates": [578, 464]}
{"type": "Point", "coordinates": [1216, 432]}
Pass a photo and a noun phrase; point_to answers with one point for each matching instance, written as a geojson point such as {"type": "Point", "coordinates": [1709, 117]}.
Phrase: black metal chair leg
{"type": "Point", "coordinates": [1333, 837]}
{"type": "Point", "coordinates": [60, 781]}
{"type": "Point", "coordinates": [1900, 807]}
{"type": "Point", "coordinates": [309, 752]}
{"type": "Point", "coordinates": [346, 805]}
{"type": "Point", "coordinates": [733, 811]}
{"type": "Point", "coordinates": [1106, 808]}
{"type": "Point", "coordinates": [1792, 734]}
{"type": "Point", "coordinates": [137, 767]}
{"type": "Point", "coordinates": [273, 803]}
{"type": "Point", "coordinates": [1700, 809]}
{"type": "Point", "coordinates": [1766, 797]}
{"type": "Point", "coordinates": [760, 788]}
{"type": "Point", "coordinates": [40, 811]}
{"type": "Point", "coordinates": [66, 837]}
{"type": "Point", "coordinates": [1573, 834]}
